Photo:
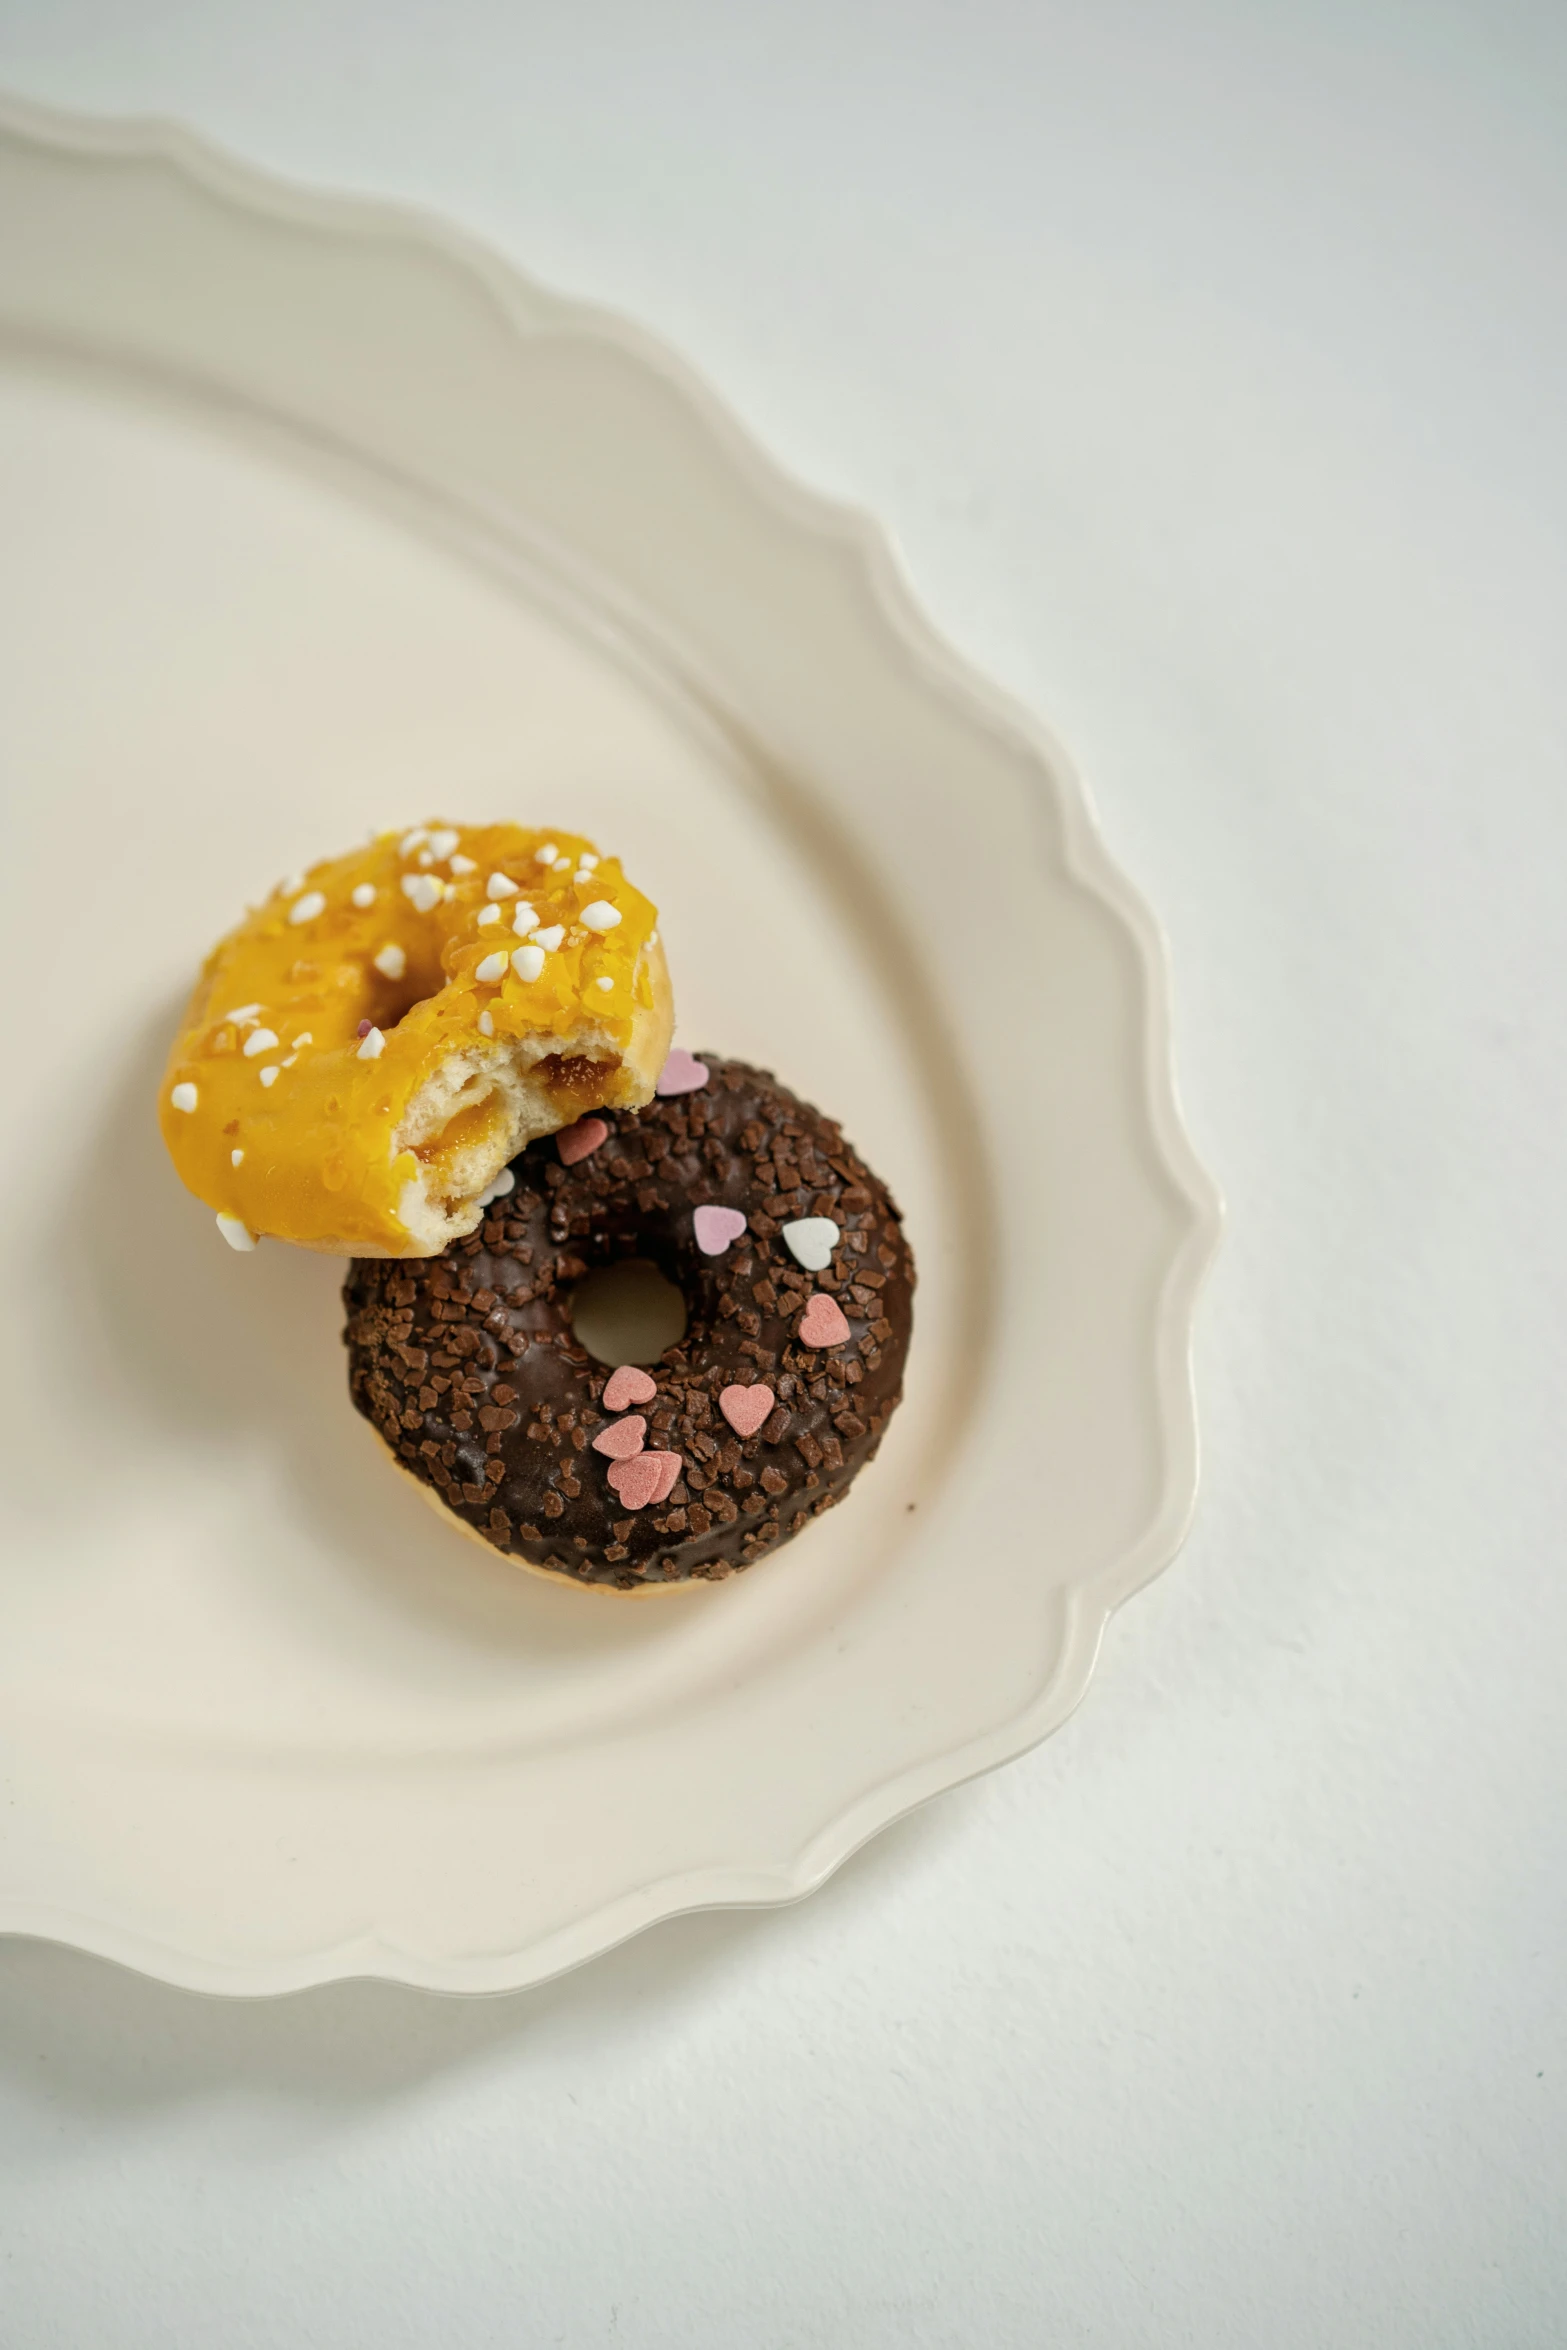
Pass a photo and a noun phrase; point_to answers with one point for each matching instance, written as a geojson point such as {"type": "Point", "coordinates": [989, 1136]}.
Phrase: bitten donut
{"type": "Point", "coordinates": [798, 1283]}
{"type": "Point", "coordinates": [365, 1053]}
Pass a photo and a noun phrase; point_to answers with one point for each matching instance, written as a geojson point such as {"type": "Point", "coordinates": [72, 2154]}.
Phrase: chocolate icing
{"type": "Point", "coordinates": [467, 1366]}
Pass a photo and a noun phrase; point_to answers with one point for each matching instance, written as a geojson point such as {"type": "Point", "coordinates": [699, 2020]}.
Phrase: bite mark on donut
{"type": "Point", "coordinates": [488, 1100]}
{"type": "Point", "coordinates": [469, 1129]}
{"type": "Point", "coordinates": [575, 1076]}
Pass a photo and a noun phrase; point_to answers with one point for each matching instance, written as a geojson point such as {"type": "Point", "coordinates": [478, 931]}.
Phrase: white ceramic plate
{"type": "Point", "coordinates": [317, 516]}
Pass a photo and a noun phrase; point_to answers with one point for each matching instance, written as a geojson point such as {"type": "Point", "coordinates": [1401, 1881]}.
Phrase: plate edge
{"type": "Point", "coordinates": [531, 308]}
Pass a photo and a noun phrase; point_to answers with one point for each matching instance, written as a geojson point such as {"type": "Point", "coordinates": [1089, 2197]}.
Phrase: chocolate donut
{"type": "Point", "coordinates": [798, 1284]}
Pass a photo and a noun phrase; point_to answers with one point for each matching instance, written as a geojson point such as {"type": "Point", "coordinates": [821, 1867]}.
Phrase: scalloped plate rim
{"type": "Point", "coordinates": [863, 541]}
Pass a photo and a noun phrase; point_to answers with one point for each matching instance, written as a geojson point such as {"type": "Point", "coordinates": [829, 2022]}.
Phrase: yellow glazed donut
{"type": "Point", "coordinates": [366, 1052]}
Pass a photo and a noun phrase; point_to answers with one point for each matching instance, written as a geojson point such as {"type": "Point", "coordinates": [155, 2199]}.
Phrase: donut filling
{"type": "Point", "coordinates": [480, 1108]}
{"type": "Point", "coordinates": [798, 1286]}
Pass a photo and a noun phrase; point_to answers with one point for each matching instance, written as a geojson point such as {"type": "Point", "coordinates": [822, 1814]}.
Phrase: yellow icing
{"type": "Point", "coordinates": [317, 1163]}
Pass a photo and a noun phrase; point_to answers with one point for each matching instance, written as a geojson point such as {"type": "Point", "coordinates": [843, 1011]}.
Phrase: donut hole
{"type": "Point", "coordinates": [627, 1313]}
{"type": "Point", "coordinates": [391, 1000]}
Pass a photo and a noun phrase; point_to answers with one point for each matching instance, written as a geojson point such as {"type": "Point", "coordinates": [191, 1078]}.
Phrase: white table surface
{"type": "Point", "coordinates": [1208, 362]}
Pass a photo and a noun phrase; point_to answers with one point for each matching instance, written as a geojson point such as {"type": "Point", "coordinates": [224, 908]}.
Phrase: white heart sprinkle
{"type": "Point", "coordinates": [587, 862]}
{"type": "Point", "coordinates": [391, 962]}
{"type": "Point", "coordinates": [486, 1024]}
{"type": "Point", "coordinates": [504, 1182]}
{"type": "Point", "coordinates": [411, 841]}
{"type": "Point", "coordinates": [606, 984]}
{"type": "Point", "coordinates": [371, 1045]}
{"type": "Point", "coordinates": [260, 1040]}
{"type": "Point", "coordinates": [307, 1038]}
{"type": "Point", "coordinates": [235, 1157]}
{"type": "Point", "coordinates": [811, 1240]}
{"type": "Point", "coordinates": [184, 1097]}
{"type": "Point", "coordinates": [462, 864]}
{"type": "Point", "coordinates": [492, 970]}
{"type": "Point", "coordinates": [443, 842]}
{"type": "Point", "coordinates": [549, 939]}
{"type": "Point", "coordinates": [306, 909]}
{"type": "Point", "coordinates": [500, 885]}
{"type": "Point", "coordinates": [243, 1012]}
{"type": "Point", "coordinates": [561, 865]}
{"type": "Point", "coordinates": [424, 890]}
{"type": "Point", "coordinates": [528, 962]}
{"type": "Point", "coordinates": [523, 918]}
{"type": "Point", "coordinates": [601, 915]}
{"type": "Point", "coordinates": [488, 915]}
{"type": "Point", "coordinates": [236, 1234]}
{"type": "Point", "coordinates": [547, 855]}
{"type": "Point", "coordinates": [362, 895]}
{"type": "Point", "coordinates": [268, 1075]}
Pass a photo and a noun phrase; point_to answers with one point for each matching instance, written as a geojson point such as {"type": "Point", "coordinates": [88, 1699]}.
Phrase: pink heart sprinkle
{"type": "Point", "coordinates": [681, 1073]}
{"type": "Point", "coordinates": [670, 1465]}
{"type": "Point", "coordinates": [635, 1481]}
{"type": "Point", "coordinates": [647, 1476]}
{"type": "Point", "coordinates": [577, 1142]}
{"type": "Point", "coordinates": [628, 1385]}
{"type": "Point", "coordinates": [716, 1228]}
{"type": "Point", "coordinates": [622, 1438]}
{"type": "Point", "coordinates": [822, 1323]}
{"type": "Point", "coordinates": [745, 1408]}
